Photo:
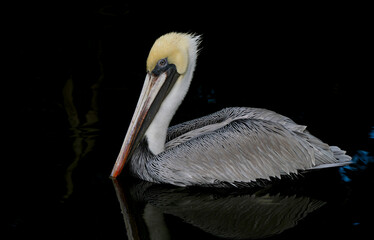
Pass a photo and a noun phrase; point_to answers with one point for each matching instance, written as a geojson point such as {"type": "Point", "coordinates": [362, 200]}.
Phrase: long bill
{"type": "Point", "coordinates": [155, 89]}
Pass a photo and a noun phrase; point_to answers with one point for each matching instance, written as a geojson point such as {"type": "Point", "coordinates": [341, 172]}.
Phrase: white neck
{"type": "Point", "coordinates": [157, 130]}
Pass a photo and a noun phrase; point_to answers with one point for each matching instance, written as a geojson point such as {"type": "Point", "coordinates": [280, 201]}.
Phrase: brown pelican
{"type": "Point", "coordinates": [231, 147]}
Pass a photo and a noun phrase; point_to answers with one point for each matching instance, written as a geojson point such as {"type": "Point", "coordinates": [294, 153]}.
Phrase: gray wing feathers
{"type": "Point", "coordinates": [232, 114]}
{"type": "Point", "coordinates": [240, 145]}
{"type": "Point", "coordinates": [185, 127]}
{"type": "Point", "coordinates": [340, 159]}
{"type": "Point", "coordinates": [242, 151]}
{"type": "Point", "coordinates": [186, 131]}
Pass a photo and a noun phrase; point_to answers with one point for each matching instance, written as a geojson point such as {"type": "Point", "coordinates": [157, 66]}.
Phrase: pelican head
{"type": "Point", "coordinates": [170, 66]}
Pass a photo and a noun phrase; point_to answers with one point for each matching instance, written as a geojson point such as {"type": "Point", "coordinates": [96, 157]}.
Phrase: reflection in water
{"type": "Point", "coordinates": [360, 162]}
{"type": "Point", "coordinates": [128, 216]}
{"type": "Point", "coordinates": [82, 117]}
{"type": "Point", "coordinates": [238, 215]}
{"type": "Point", "coordinates": [84, 140]}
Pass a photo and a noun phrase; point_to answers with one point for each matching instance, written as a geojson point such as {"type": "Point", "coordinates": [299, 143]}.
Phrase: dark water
{"type": "Point", "coordinates": [76, 83]}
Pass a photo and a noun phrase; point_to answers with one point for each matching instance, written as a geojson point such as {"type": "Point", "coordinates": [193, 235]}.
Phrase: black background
{"type": "Point", "coordinates": [309, 62]}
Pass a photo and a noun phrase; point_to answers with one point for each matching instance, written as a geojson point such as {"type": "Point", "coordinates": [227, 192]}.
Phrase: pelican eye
{"type": "Point", "coordinates": [162, 62]}
{"type": "Point", "coordinates": [161, 66]}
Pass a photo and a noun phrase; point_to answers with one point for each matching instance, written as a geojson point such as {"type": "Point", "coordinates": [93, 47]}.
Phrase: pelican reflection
{"type": "Point", "coordinates": [234, 214]}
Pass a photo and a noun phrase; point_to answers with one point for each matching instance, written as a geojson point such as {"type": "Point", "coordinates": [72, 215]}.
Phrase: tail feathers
{"type": "Point", "coordinates": [340, 155]}
{"type": "Point", "coordinates": [341, 159]}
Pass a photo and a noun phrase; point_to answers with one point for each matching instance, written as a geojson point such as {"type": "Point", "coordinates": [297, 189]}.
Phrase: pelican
{"type": "Point", "coordinates": [231, 147]}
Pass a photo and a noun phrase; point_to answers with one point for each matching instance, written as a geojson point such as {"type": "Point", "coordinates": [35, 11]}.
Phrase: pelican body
{"type": "Point", "coordinates": [232, 147]}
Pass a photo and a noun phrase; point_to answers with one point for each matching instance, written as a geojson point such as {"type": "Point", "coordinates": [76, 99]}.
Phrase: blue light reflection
{"type": "Point", "coordinates": [360, 162]}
